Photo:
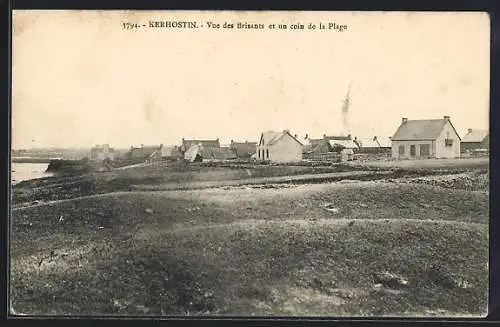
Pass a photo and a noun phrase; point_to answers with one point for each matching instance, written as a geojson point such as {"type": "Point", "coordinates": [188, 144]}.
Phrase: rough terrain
{"type": "Point", "coordinates": [392, 246]}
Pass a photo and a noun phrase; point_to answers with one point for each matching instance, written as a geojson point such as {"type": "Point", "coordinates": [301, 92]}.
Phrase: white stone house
{"type": "Point", "coordinates": [102, 152]}
{"type": "Point", "coordinates": [280, 147]}
{"type": "Point", "coordinates": [429, 138]}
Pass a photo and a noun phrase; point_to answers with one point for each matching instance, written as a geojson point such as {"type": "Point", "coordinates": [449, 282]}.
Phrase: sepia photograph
{"type": "Point", "coordinates": [249, 164]}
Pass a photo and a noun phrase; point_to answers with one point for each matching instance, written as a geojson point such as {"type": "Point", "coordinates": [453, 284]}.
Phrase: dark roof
{"type": "Point", "coordinates": [475, 136]}
{"type": "Point", "coordinates": [186, 144]}
{"type": "Point", "coordinates": [322, 147]}
{"type": "Point", "coordinates": [244, 149]}
{"type": "Point", "coordinates": [224, 153]}
{"type": "Point", "coordinates": [425, 129]}
{"type": "Point", "coordinates": [337, 138]}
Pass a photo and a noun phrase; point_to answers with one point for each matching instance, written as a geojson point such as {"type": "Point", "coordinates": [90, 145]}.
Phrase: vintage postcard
{"type": "Point", "coordinates": [249, 163]}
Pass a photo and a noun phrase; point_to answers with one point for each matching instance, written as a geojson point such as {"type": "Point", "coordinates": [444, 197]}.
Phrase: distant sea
{"type": "Point", "coordinates": [24, 171]}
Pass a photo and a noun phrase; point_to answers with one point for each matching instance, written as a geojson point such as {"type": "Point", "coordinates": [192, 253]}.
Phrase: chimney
{"type": "Point", "coordinates": [469, 131]}
{"type": "Point", "coordinates": [404, 120]}
{"type": "Point", "coordinates": [446, 117]}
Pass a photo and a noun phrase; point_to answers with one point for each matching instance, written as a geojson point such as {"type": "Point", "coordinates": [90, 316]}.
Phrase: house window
{"type": "Point", "coordinates": [259, 153]}
{"type": "Point", "coordinates": [448, 141]}
{"type": "Point", "coordinates": [402, 150]}
{"type": "Point", "coordinates": [413, 151]}
{"type": "Point", "coordinates": [424, 150]}
{"type": "Point", "coordinates": [267, 153]}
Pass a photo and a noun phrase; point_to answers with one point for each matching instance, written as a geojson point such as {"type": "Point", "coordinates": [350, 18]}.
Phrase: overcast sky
{"type": "Point", "coordinates": [80, 79]}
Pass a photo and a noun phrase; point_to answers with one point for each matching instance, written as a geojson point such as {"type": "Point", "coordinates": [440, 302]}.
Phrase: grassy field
{"type": "Point", "coordinates": [177, 175]}
{"type": "Point", "coordinates": [388, 247]}
{"type": "Point", "coordinates": [462, 163]}
{"type": "Point", "coordinates": [182, 176]}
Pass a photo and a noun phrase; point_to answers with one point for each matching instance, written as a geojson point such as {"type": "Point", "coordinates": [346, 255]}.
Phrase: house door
{"type": "Point", "coordinates": [413, 151]}
{"type": "Point", "coordinates": [425, 150]}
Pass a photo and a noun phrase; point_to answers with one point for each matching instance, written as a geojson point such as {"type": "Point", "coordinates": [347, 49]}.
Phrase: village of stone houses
{"type": "Point", "coordinates": [281, 225]}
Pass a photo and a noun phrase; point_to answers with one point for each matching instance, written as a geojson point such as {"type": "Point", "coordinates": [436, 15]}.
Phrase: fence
{"type": "Point", "coordinates": [330, 157]}
{"type": "Point", "coordinates": [373, 156]}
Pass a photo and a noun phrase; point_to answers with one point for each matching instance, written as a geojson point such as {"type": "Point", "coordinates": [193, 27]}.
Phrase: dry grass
{"type": "Point", "coordinates": [177, 175]}
{"type": "Point", "coordinates": [462, 163]}
{"type": "Point", "coordinates": [301, 250]}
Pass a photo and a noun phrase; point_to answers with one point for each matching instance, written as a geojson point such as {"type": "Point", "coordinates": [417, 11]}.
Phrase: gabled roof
{"type": "Point", "coordinates": [337, 138]}
{"type": "Point", "coordinates": [269, 137]}
{"type": "Point", "coordinates": [222, 153]}
{"type": "Point", "coordinates": [384, 142]}
{"type": "Point", "coordinates": [367, 142]}
{"type": "Point", "coordinates": [206, 143]}
{"type": "Point", "coordinates": [244, 149]}
{"type": "Point", "coordinates": [315, 142]}
{"type": "Point", "coordinates": [373, 142]}
{"type": "Point", "coordinates": [475, 136]}
{"type": "Point", "coordinates": [348, 144]}
{"type": "Point", "coordinates": [425, 129]}
{"type": "Point", "coordinates": [272, 137]}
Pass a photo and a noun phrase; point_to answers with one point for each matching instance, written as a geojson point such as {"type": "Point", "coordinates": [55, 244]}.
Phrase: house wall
{"type": "Point", "coordinates": [485, 144]}
{"type": "Point", "coordinates": [374, 150]}
{"type": "Point", "coordinates": [443, 151]}
{"type": "Point", "coordinates": [286, 149]}
{"type": "Point", "coordinates": [407, 145]}
{"type": "Point", "coordinates": [465, 146]}
{"type": "Point", "coordinates": [191, 153]}
{"type": "Point", "coordinates": [323, 147]}
{"type": "Point", "coordinates": [437, 148]}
